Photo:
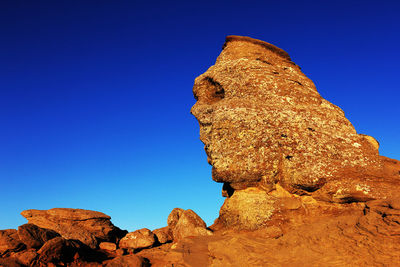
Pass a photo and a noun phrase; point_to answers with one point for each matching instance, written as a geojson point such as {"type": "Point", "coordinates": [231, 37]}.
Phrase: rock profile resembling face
{"type": "Point", "coordinates": [263, 122]}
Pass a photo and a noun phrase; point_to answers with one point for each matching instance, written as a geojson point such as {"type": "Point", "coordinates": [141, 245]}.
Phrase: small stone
{"type": "Point", "coordinates": [108, 246]}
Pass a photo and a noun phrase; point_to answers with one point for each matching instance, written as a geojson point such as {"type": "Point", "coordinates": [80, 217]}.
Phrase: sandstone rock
{"type": "Point", "coordinates": [174, 216]}
{"type": "Point", "coordinates": [138, 239]}
{"type": "Point", "coordinates": [163, 234]}
{"type": "Point", "coordinates": [9, 242]}
{"type": "Point", "coordinates": [249, 209]}
{"type": "Point", "coordinates": [108, 246]}
{"type": "Point", "coordinates": [57, 250]}
{"type": "Point", "coordinates": [184, 223]}
{"type": "Point", "coordinates": [90, 227]}
{"type": "Point", "coordinates": [62, 251]}
{"type": "Point", "coordinates": [10, 262]}
{"type": "Point", "coordinates": [264, 124]}
{"type": "Point", "coordinates": [127, 261]}
{"type": "Point", "coordinates": [33, 236]}
{"type": "Point", "coordinates": [26, 257]}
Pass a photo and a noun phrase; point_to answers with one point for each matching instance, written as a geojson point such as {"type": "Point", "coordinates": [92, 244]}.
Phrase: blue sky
{"type": "Point", "coordinates": [95, 95]}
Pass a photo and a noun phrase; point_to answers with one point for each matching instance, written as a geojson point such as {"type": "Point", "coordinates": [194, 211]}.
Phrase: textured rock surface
{"type": "Point", "coordinates": [185, 223]}
{"type": "Point", "coordinates": [126, 261]}
{"type": "Point", "coordinates": [33, 236]}
{"type": "Point", "coordinates": [108, 246]}
{"type": "Point", "coordinates": [9, 241]}
{"type": "Point", "coordinates": [89, 227]}
{"type": "Point", "coordinates": [264, 124]}
{"type": "Point", "coordinates": [163, 234]}
{"type": "Point", "coordinates": [138, 239]}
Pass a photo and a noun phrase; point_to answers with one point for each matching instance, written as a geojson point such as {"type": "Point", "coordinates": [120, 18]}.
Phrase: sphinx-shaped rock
{"type": "Point", "coordinates": [264, 124]}
{"type": "Point", "coordinates": [89, 227]}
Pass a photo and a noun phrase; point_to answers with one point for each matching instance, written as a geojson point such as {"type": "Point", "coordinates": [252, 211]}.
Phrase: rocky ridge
{"type": "Point", "coordinates": [302, 187]}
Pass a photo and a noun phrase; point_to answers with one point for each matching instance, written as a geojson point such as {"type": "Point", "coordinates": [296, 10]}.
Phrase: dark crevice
{"type": "Point", "coordinates": [228, 189]}
{"type": "Point", "coordinates": [311, 129]}
{"type": "Point", "coordinates": [263, 61]}
{"type": "Point", "coordinates": [289, 157]}
{"type": "Point", "coordinates": [219, 91]}
{"type": "Point", "coordinates": [283, 135]}
{"type": "Point", "coordinates": [299, 83]}
{"type": "Point", "coordinates": [275, 72]}
{"type": "Point", "coordinates": [312, 188]}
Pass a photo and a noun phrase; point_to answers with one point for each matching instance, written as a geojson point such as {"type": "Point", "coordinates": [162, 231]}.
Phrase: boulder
{"type": "Point", "coordinates": [57, 250]}
{"type": "Point", "coordinates": [89, 227]}
{"type": "Point", "coordinates": [185, 223]}
{"type": "Point", "coordinates": [10, 242]}
{"type": "Point", "coordinates": [138, 239]}
{"type": "Point", "coordinates": [26, 257]}
{"type": "Point", "coordinates": [33, 236]}
{"type": "Point", "coordinates": [163, 234]}
{"type": "Point", "coordinates": [62, 251]}
{"type": "Point", "coordinates": [247, 209]}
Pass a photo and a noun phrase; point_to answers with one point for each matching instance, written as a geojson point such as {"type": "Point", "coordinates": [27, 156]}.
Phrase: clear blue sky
{"type": "Point", "coordinates": [95, 95]}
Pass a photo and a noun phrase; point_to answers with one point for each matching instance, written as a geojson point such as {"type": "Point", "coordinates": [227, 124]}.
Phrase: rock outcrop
{"type": "Point", "coordinates": [265, 125]}
{"type": "Point", "coordinates": [89, 227]}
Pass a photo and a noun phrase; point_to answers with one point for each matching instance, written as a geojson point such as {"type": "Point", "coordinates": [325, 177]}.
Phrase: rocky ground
{"type": "Point", "coordinates": [302, 187]}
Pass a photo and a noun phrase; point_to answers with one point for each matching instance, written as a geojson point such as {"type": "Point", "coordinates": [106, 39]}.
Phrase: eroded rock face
{"type": "Point", "coordinates": [10, 242]}
{"type": "Point", "coordinates": [264, 124]}
{"type": "Point", "coordinates": [89, 227]}
{"type": "Point", "coordinates": [33, 236]}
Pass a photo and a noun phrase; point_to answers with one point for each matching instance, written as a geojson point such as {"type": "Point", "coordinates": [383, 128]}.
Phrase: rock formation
{"type": "Point", "coordinates": [302, 187]}
{"type": "Point", "coordinates": [89, 227]}
{"type": "Point", "coordinates": [264, 125]}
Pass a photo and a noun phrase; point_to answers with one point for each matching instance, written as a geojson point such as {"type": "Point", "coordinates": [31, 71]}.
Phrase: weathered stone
{"type": "Point", "coordinates": [90, 227]}
{"type": "Point", "coordinates": [126, 261]}
{"type": "Point", "coordinates": [9, 241]}
{"type": "Point", "coordinates": [33, 236]}
{"type": "Point", "coordinates": [184, 223]}
{"type": "Point", "coordinates": [26, 257]}
{"type": "Point", "coordinates": [108, 246]}
{"type": "Point", "coordinates": [138, 239]}
{"type": "Point", "coordinates": [163, 234]}
{"type": "Point", "coordinates": [10, 262]}
{"type": "Point", "coordinates": [174, 216]}
{"type": "Point", "coordinates": [264, 124]}
{"type": "Point", "coordinates": [248, 209]}
{"type": "Point", "coordinates": [57, 250]}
